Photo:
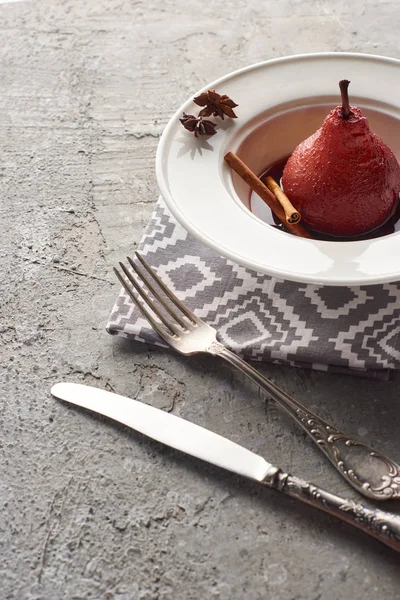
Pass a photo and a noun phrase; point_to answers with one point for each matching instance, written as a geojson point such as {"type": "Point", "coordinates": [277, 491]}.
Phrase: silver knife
{"type": "Point", "coordinates": [217, 450]}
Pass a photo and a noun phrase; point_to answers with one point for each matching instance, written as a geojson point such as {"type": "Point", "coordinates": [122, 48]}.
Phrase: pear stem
{"type": "Point", "coordinates": [346, 112]}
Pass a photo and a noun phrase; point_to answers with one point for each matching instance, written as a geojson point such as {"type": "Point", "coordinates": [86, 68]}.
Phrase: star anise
{"type": "Point", "coordinates": [198, 125]}
{"type": "Point", "coordinates": [215, 104]}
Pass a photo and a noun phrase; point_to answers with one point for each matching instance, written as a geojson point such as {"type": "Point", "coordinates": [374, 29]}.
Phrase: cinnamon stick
{"type": "Point", "coordinates": [258, 186]}
{"type": "Point", "coordinates": [292, 215]}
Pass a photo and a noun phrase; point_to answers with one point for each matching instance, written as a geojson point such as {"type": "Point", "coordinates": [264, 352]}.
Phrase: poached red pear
{"type": "Point", "coordinates": [344, 180]}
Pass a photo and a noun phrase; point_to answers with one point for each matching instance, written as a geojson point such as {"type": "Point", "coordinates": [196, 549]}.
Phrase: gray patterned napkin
{"type": "Point", "coordinates": [340, 329]}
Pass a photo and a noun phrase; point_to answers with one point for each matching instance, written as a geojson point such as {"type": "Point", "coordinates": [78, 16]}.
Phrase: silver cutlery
{"type": "Point", "coordinates": [368, 471]}
{"type": "Point", "coordinates": [217, 450]}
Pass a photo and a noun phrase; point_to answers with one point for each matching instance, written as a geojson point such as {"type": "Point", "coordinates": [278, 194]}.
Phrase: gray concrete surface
{"type": "Point", "coordinates": [90, 510]}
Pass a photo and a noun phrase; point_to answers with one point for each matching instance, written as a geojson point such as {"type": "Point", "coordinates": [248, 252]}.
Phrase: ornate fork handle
{"type": "Point", "coordinates": [382, 525]}
{"type": "Point", "coordinates": [368, 471]}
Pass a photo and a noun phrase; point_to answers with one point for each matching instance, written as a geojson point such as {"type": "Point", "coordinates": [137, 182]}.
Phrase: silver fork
{"type": "Point", "coordinates": [368, 471]}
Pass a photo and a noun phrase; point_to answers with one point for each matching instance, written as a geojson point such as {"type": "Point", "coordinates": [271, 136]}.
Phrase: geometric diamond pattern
{"type": "Point", "coordinates": [342, 329]}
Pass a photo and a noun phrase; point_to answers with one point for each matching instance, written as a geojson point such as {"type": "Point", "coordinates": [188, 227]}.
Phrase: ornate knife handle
{"type": "Point", "coordinates": [368, 471]}
{"type": "Point", "coordinates": [382, 525]}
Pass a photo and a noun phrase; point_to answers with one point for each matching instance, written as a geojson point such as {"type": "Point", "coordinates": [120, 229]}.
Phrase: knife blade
{"type": "Point", "coordinates": [166, 428]}
{"type": "Point", "coordinates": [217, 450]}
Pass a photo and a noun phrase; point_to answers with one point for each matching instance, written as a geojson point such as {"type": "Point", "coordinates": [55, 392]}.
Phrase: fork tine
{"type": "Point", "coordinates": [190, 315]}
{"type": "Point", "coordinates": [175, 330]}
{"type": "Point", "coordinates": [149, 302]}
{"type": "Point", "coordinates": [157, 295]}
{"type": "Point", "coordinates": [143, 310]}
{"type": "Point", "coordinates": [167, 322]}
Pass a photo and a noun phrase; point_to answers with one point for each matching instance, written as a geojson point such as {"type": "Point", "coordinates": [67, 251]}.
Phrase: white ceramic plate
{"type": "Point", "coordinates": [281, 102]}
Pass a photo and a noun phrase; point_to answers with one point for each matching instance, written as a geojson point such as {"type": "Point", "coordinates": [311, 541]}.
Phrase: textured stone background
{"type": "Point", "coordinates": [88, 508]}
